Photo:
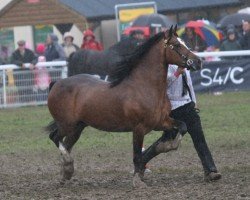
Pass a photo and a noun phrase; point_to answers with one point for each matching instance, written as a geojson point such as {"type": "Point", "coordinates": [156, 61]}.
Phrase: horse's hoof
{"type": "Point", "coordinates": [138, 183]}
{"type": "Point", "coordinates": [67, 170]}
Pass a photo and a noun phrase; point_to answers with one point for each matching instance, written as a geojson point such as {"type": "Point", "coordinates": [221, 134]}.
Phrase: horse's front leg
{"type": "Point", "coordinates": [139, 165]}
{"type": "Point", "coordinates": [165, 143]}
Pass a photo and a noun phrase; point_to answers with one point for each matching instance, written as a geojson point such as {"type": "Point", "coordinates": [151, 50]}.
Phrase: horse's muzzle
{"type": "Point", "coordinates": [194, 64]}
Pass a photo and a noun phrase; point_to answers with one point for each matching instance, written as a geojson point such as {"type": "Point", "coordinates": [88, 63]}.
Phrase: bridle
{"type": "Point", "coordinates": [175, 47]}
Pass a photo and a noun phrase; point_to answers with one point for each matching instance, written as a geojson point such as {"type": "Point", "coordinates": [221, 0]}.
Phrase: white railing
{"type": "Point", "coordinates": [40, 64]}
{"type": "Point", "coordinates": [224, 53]}
{"type": "Point", "coordinates": [19, 87]}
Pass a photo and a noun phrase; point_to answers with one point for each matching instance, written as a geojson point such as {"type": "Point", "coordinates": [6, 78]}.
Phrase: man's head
{"type": "Point", "coordinates": [21, 45]}
{"type": "Point", "coordinates": [246, 25]}
{"type": "Point", "coordinates": [231, 34]}
{"type": "Point", "coordinates": [137, 34]}
{"type": "Point", "coordinates": [68, 38]}
{"type": "Point", "coordinates": [51, 38]}
{"type": "Point", "coordinates": [189, 32]}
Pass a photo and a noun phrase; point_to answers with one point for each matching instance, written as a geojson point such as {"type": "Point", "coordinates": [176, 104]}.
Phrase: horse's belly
{"type": "Point", "coordinates": [110, 126]}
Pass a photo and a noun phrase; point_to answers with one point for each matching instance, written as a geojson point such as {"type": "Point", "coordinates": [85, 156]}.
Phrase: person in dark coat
{"type": "Point", "coordinates": [23, 55]}
{"type": "Point", "coordinates": [230, 44]}
{"type": "Point", "coordinates": [245, 40]}
{"type": "Point", "coordinates": [23, 80]}
{"type": "Point", "coordinates": [54, 51]}
{"type": "Point", "coordinates": [138, 36]}
{"type": "Point", "coordinates": [193, 40]}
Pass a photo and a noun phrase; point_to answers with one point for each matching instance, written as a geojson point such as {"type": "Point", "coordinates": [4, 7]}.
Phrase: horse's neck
{"type": "Point", "coordinates": [151, 69]}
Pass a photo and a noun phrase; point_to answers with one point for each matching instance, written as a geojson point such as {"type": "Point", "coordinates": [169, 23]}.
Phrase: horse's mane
{"type": "Point", "coordinates": [130, 60]}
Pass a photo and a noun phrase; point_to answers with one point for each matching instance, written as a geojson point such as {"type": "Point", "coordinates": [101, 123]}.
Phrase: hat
{"type": "Point", "coordinates": [40, 48]}
{"type": "Point", "coordinates": [230, 31]}
{"type": "Point", "coordinates": [67, 34]}
{"type": "Point", "coordinates": [87, 33]}
{"type": "Point", "coordinates": [21, 42]}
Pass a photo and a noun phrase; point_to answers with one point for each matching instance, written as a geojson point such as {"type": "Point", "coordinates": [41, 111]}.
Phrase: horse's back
{"type": "Point", "coordinates": [89, 62]}
{"type": "Point", "coordinates": [77, 82]}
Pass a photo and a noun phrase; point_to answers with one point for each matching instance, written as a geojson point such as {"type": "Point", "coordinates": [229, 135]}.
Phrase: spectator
{"type": "Point", "coordinates": [42, 78]}
{"type": "Point", "coordinates": [19, 57]}
{"type": "Point", "coordinates": [89, 41]}
{"type": "Point", "coordinates": [23, 55]}
{"type": "Point", "coordinates": [68, 45]}
{"type": "Point", "coordinates": [245, 40]}
{"type": "Point", "coordinates": [40, 49]}
{"type": "Point", "coordinates": [193, 40]}
{"type": "Point", "coordinates": [231, 43]}
{"type": "Point", "coordinates": [53, 50]}
{"type": "Point", "coordinates": [4, 55]}
{"type": "Point", "coordinates": [138, 35]}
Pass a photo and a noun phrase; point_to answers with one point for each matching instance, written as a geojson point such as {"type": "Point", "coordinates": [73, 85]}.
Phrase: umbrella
{"type": "Point", "coordinates": [208, 33]}
{"type": "Point", "coordinates": [130, 29]}
{"type": "Point", "coordinates": [235, 19]}
{"type": "Point", "coordinates": [153, 20]}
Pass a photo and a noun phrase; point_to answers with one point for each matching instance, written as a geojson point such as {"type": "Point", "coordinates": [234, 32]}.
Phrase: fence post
{"type": "Point", "coordinates": [4, 89]}
{"type": "Point", "coordinates": [64, 72]}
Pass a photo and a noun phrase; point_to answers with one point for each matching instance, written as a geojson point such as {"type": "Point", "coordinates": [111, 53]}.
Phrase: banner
{"type": "Point", "coordinates": [223, 76]}
{"type": "Point", "coordinates": [127, 13]}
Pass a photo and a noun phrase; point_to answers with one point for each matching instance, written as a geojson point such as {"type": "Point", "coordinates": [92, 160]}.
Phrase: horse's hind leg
{"type": "Point", "coordinates": [164, 143]}
{"type": "Point", "coordinates": [65, 147]}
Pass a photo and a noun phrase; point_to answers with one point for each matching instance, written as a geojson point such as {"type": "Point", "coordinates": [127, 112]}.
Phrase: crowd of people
{"type": "Point", "coordinates": [50, 50]}
{"type": "Point", "coordinates": [234, 39]}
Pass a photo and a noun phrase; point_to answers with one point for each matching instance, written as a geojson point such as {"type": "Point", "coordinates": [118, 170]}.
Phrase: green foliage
{"type": "Point", "coordinates": [225, 120]}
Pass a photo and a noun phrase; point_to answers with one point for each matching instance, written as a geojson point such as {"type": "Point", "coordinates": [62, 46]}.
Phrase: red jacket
{"type": "Point", "coordinates": [90, 44]}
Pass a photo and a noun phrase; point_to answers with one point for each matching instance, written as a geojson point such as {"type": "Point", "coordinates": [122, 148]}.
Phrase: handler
{"type": "Point", "coordinates": [182, 97]}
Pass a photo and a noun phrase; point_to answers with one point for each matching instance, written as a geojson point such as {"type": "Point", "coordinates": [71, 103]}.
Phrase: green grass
{"type": "Point", "coordinates": [225, 120]}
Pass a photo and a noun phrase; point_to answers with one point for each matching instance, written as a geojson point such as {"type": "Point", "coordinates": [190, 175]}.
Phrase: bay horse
{"type": "Point", "coordinates": [100, 63]}
{"type": "Point", "coordinates": [134, 101]}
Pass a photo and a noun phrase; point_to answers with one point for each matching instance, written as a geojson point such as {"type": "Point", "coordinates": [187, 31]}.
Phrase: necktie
{"type": "Point", "coordinates": [185, 88]}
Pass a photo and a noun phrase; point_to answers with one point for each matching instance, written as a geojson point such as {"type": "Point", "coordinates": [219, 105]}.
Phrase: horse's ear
{"type": "Point", "coordinates": [175, 30]}
{"type": "Point", "coordinates": [170, 32]}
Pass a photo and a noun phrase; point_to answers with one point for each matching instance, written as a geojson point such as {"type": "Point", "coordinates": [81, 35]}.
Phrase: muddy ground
{"type": "Point", "coordinates": [103, 175]}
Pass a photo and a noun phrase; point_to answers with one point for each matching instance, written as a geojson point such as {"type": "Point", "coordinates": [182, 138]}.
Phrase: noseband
{"type": "Point", "coordinates": [186, 61]}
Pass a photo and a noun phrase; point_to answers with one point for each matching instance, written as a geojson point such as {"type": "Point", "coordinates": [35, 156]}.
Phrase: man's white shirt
{"type": "Point", "coordinates": [175, 88]}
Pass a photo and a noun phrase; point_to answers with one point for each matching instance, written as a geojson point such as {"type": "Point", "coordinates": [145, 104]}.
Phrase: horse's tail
{"type": "Point", "coordinates": [52, 130]}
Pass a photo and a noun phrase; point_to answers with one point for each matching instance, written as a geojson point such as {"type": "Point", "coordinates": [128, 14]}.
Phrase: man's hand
{"type": "Point", "coordinates": [180, 70]}
{"type": "Point", "coordinates": [32, 66]}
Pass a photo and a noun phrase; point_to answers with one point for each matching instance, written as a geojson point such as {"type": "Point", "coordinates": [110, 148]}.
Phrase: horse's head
{"type": "Point", "coordinates": [178, 53]}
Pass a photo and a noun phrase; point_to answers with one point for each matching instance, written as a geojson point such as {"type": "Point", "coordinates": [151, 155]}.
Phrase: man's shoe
{"type": "Point", "coordinates": [212, 176]}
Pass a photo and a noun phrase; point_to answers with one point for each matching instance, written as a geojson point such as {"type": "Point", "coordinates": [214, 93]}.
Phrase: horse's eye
{"type": "Point", "coordinates": [178, 45]}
